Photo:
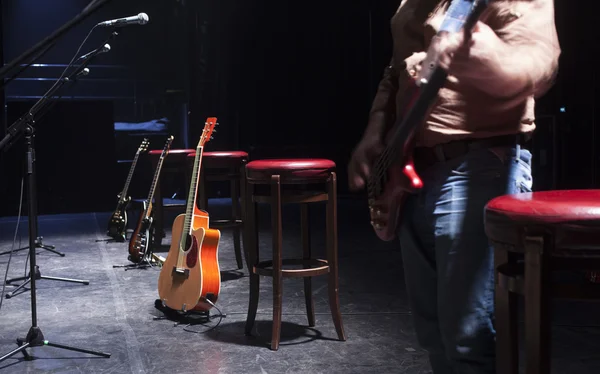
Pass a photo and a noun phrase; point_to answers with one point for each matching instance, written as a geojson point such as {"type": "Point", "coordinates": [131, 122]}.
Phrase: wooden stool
{"type": "Point", "coordinates": [224, 166]}
{"type": "Point", "coordinates": [174, 163]}
{"type": "Point", "coordinates": [554, 230]}
{"type": "Point", "coordinates": [299, 173]}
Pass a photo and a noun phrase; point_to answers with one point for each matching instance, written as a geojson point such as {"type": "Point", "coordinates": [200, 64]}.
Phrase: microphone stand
{"type": "Point", "coordinates": [24, 126]}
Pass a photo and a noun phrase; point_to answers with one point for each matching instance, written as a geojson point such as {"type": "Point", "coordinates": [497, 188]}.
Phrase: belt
{"type": "Point", "coordinates": [427, 156]}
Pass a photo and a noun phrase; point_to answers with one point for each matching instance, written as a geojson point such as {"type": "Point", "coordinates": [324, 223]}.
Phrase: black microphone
{"type": "Point", "coordinates": [105, 48]}
{"type": "Point", "coordinates": [140, 19]}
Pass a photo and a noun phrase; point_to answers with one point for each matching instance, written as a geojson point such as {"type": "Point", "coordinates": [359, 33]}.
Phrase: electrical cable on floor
{"type": "Point", "coordinates": [13, 244]}
{"type": "Point", "coordinates": [220, 315]}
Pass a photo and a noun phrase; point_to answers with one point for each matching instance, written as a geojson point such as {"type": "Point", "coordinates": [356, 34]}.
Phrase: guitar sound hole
{"type": "Point", "coordinates": [188, 242]}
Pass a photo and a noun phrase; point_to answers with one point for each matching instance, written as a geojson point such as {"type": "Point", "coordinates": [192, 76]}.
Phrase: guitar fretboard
{"type": "Point", "coordinates": [456, 15]}
{"type": "Point", "coordinates": [191, 200]}
{"type": "Point", "coordinates": [128, 181]}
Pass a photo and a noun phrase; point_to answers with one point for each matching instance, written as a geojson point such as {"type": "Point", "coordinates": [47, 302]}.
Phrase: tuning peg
{"type": "Point", "coordinates": [211, 138]}
{"type": "Point", "coordinates": [217, 124]}
{"type": "Point", "coordinates": [214, 131]}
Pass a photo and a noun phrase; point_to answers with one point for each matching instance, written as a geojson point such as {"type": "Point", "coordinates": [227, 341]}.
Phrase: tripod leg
{"type": "Point", "coordinates": [102, 354]}
{"type": "Point", "coordinates": [49, 248]}
{"type": "Point", "coordinates": [12, 293]}
{"type": "Point", "coordinates": [21, 348]}
{"type": "Point", "coordinates": [15, 251]}
{"type": "Point", "coordinates": [86, 282]}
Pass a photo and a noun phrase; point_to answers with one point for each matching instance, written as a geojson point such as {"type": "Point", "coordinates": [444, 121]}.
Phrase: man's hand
{"type": "Point", "coordinates": [481, 57]}
{"type": "Point", "coordinates": [359, 168]}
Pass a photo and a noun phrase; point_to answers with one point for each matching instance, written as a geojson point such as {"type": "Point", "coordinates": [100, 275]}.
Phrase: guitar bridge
{"type": "Point", "coordinates": [181, 272]}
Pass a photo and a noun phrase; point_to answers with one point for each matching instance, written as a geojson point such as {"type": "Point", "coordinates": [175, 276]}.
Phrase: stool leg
{"type": "Point", "coordinates": [202, 194]}
{"type": "Point", "coordinates": [252, 256]}
{"type": "Point", "coordinates": [332, 256]}
{"type": "Point", "coordinates": [306, 249]}
{"type": "Point", "coordinates": [537, 306]}
{"type": "Point", "coordinates": [277, 244]}
{"type": "Point", "coordinates": [235, 215]}
{"type": "Point", "coordinates": [507, 341]}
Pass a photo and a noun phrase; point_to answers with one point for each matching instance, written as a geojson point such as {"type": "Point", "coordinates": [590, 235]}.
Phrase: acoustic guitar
{"type": "Point", "coordinates": [139, 243]}
{"type": "Point", "coordinates": [393, 174]}
{"type": "Point", "coordinates": [190, 277]}
{"type": "Point", "coordinates": [117, 223]}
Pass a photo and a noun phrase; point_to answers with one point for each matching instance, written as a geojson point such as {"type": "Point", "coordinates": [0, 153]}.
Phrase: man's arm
{"type": "Point", "coordinates": [532, 48]}
{"type": "Point", "coordinates": [515, 60]}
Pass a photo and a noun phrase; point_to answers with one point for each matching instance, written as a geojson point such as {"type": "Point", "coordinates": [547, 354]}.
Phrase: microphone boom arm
{"type": "Point", "coordinates": [51, 39]}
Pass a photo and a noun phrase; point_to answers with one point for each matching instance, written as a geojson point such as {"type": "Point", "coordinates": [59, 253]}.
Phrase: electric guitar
{"type": "Point", "coordinates": [190, 277]}
{"type": "Point", "coordinates": [139, 243]}
{"type": "Point", "coordinates": [117, 223]}
{"type": "Point", "coordinates": [393, 174]}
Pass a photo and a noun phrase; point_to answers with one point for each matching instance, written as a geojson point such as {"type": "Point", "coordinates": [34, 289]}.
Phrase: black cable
{"type": "Point", "coordinates": [13, 244]}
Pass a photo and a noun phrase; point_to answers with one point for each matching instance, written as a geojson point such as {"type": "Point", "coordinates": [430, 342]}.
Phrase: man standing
{"type": "Point", "coordinates": [468, 151]}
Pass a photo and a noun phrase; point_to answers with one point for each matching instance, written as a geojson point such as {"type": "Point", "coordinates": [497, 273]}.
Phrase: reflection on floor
{"type": "Point", "coordinates": [115, 313]}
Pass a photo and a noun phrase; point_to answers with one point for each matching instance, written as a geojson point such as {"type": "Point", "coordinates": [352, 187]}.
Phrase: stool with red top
{"type": "Point", "coordinates": [291, 181]}
{"type": "Point", "coordinates": [223, 166]}
{"type": "Point", "coordinates": [552, 231]}
{"type": "Point", "coordinates": [174, 165]}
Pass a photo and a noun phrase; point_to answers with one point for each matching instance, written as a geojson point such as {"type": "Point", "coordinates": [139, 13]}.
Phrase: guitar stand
{"type": "Point", "coordinates": [148, 261]}
{"type": "Point", "coordinates": [191, 317]}
{"type": "Point", "coordinates": [39, 275]}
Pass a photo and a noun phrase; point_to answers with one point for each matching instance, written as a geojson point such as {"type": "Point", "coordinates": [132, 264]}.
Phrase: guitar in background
{"type": "Point", "coordinates": [118, 220]}
{"type": "Point", "coordinates": [393, 173]}
{"type": "Point", "coordinates": [139, 243]}
{"type": "Point", "coordinates": [190, 277]}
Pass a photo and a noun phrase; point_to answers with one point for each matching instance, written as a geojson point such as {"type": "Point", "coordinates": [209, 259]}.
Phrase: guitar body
{"type": "Point", "coordinates": [117, 225]}
{"type": "Point", "coordinates": [139, 243]}
{"type": "Point", "coordinates": [180, 282]}
{"type": "Point", "coordinates": [209, 261]}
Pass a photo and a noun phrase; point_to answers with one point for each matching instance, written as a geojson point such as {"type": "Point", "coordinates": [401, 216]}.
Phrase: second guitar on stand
{"type": "Point", "coordinates": [139, 243]}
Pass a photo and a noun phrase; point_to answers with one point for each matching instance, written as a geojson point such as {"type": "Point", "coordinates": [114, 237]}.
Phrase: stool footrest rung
{"type": "Point", "coordinates": [311, 268]}
{"type": "Point", "coordinates": [293, 198]}
{"type": "Point", "coordinates": [225, 223]}
{"type": "Point", "coordinates": [511, 277]}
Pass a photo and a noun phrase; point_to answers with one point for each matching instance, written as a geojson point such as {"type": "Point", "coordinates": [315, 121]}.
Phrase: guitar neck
{"type": "Point", "coordinates": [153, 187]}
{"type": "Point", "coordinates": [461, 14]}
{"type": "Point", "coordinates": [128, 181]}
{"type": "Point", "coordinates": [191, 200]}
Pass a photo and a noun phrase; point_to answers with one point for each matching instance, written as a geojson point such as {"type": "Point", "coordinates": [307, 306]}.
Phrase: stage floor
{"type": "Point", "coordinates": [115, 313]}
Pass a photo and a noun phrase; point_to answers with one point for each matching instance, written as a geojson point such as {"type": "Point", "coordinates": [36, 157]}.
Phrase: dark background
{"type": "Point", "coordinates": [285, 79]}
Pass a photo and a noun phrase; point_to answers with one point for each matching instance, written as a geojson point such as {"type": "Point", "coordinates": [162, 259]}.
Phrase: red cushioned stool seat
{"type": "Point", "coordinates": [280, 179]}
{"type": "Point", "coordinates": [551, 231]}
{"type": "Point", "coordinates": [227, 166]}
{"type": "Point", "coordinates": [290, 170]}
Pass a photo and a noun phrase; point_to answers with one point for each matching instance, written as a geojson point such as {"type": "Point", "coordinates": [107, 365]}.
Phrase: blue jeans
{"type": "Point", "coordinates": [448, 261]}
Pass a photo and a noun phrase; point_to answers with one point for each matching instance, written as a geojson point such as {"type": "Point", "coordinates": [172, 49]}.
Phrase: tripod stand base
{"type": "Point", "coordinates": [39, 275]}
{"type": "Point", "coordinates": [38, 244]}
{"type": "Point", "coordinates": [35, 338]}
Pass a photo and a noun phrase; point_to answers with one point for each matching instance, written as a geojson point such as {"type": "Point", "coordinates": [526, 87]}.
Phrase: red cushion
{"type": "Point", "coordinates": [290, 170]}
{"type": "Point", "coordinates": [572, 216]}
{"type": "Point", "coordinates": [549, 206]}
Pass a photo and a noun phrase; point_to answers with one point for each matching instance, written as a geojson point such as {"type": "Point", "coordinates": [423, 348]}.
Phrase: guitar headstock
{"type": "Point", "coordinates": [167, 146]}
{"type": "Point", "coordinates": [144, 146]}
{"type": "Point", "coordinates": [209, 128]}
